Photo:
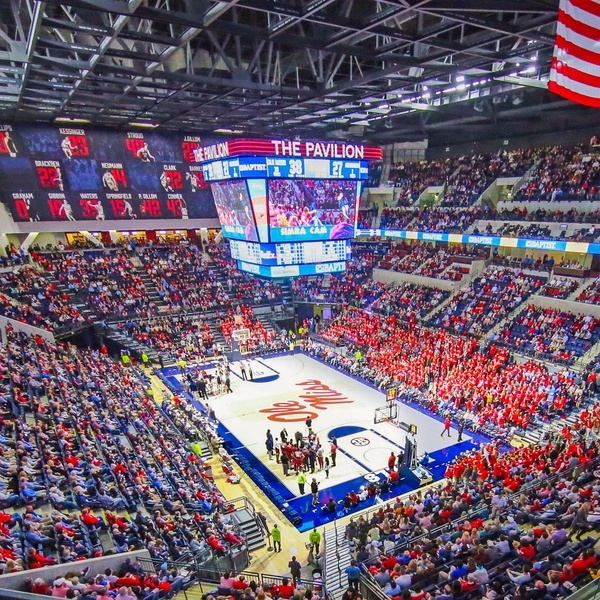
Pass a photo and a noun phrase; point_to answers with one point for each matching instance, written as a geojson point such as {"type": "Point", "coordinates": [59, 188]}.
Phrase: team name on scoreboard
{"type": "Point", "coordinates": [318, 149]}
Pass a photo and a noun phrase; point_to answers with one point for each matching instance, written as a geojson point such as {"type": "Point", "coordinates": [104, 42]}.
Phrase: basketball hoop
{"type": "Point", "coordinates": [239, 340]}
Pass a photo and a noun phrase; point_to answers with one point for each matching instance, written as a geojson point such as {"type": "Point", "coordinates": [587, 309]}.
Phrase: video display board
{"type": "Point", "coordinates": [257, 167]}
{"type": "Point", "coordinates": [291, 270]}
{"type": "Point", "coordinates": [311, 209]}
{"type": "Point", "coordinates": [52, 173]}
{"type": "Point", "coordinates": [235, 211]}
{"type": "Point", "coordinates": [290, 253]}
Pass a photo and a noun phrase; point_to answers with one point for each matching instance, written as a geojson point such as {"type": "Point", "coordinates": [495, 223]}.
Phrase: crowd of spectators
{"type": "Point", "coordinates": [551, 333]}
{"type": "Point", "coordinates": [428, 260]}
{"type": "Point", "coordinates": [559, 287]}
{"type": "Point", "coordinates": [409, 301]}
{"type": "Point", "coordinates": [591, 294]}
{"type": "Point", "coordinates": [563, 174]}
{"type": "Point", "coordinates": [435, 219]}
{"type": "Point", "coordinates": [464, 178]}
{"type": "Point", "coordinates": [414, 177]}
{"type": "Point", "coordinates": [106, 280]}
{"type": "Point", "coordinates": [33, 299]}
{"type": "Point", "coordinates": [183, 277]}
{"type": "Point", "coordinates": [175, 337]}
{"type": "Point", "coordinates": [131, 581]}
{"type": "Point", "coordinates": [366, 218]}
{"type": "Point", "coordinates": [397, 218]}
{"type": "Point", "coordinates": [100, 453]}
{"type": "Point", "coordinates": [449, 374]}
{"type": "Point", "coordinates": [187, 280]}
{"type": "Point", "coordinates": [573, 215]}
{"type": "Point", "coordinates": [354, 286]}
{"type": "Point", "coordinates": [534, 231]}
{"type": "Point", "coordinates": [501, 544]}
{"type": "Point", "coordinates": [261, 338]}
{"type": "Point", "coordinates": [475, 173]}
{"type": "Point", "coordinates": [246, 288]}
{"type": "Point", "coordinates": [487, 300]}
{"type": "Point", "coordinates": [542, 263]}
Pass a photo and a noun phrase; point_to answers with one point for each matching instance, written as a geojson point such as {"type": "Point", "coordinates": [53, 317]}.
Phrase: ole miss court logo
{"type": "Point", "coordinates": [316, 397]}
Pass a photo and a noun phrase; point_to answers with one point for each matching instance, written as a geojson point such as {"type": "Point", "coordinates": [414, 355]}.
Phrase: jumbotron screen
{"type": "Point", "coordinates": [235, 210]}
{"type": "Point", "coordinates": [311, 209]}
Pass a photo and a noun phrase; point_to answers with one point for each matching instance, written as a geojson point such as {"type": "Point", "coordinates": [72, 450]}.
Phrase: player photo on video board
{"type": "Point", "coordinates": [311, 209]}
{"type": "Point", "coordinates": [234, 209]}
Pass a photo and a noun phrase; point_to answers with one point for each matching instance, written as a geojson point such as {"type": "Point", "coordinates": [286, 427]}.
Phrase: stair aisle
{"type": "Point", "coordinates": [247, 524]}
{"type": "Point", "coordinates": [337, 558]}
{"type": "Point", "coordinates": [151, 289]}
{"type": "Point", "coordinates": [540, 435]}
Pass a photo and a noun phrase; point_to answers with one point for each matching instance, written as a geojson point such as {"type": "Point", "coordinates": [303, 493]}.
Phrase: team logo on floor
{"type": "Point", "coordinates": [360, 441]}
{"type": "Point", "coordinates": [317, 396]}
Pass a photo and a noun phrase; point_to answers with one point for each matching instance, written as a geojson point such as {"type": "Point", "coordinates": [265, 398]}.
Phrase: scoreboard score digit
{"type": "Point", "coordinates": [49, 175]}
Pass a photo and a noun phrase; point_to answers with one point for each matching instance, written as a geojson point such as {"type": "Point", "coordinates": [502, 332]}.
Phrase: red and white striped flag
{"type": "Point", "coordinates": [575, 68]}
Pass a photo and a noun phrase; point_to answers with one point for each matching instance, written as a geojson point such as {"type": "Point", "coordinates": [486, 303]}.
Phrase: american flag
{"type": "Point", "coordinates": [575, 68]}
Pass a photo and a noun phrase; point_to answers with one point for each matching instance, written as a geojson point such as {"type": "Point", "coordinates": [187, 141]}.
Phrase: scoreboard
{"type": "Point", "coordinates": [73, 173]}
{"type": "Point", "coordinates": [293, 253]}
{"type": "Point", "coordinates": [288, 207]}
{"type": "Point", "coordinates": [292, 270]}
{"type": "Point", "coordinates": [260, 167]}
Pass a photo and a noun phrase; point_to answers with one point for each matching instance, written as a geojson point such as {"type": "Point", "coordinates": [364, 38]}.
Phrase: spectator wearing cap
{"type": "Point", "coordinates": [60, 588]}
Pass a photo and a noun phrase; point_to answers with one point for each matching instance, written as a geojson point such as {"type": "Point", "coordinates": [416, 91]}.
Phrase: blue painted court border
{"type": "Point", "coordinates": [298, 509]}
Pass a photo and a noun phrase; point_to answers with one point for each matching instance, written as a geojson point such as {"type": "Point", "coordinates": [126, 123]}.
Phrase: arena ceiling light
{"type": "Point", "coordinates": [72, 120]}
{"type": "Point", "coordinates": [142, 124]}
{"type": "Point", "coordinates": [228, 131]}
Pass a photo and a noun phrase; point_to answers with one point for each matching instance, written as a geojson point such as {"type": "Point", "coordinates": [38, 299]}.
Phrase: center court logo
{"type": "Point", "coordinates": [360, 441]}
{"type": "Point", "coordinates": [317, 396]}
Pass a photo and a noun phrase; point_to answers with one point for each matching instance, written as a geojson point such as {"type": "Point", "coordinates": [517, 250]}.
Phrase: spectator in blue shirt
{"type": "Point", "coordinates": [353, 573]}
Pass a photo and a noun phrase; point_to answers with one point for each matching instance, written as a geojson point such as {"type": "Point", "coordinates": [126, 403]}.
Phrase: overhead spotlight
{"type": "Point", "coordinates": [459, 78]}
{"type": "Point", "coordinates": [425, 88]}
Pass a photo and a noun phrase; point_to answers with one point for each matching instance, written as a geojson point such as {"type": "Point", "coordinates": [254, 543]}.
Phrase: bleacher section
{"type": "Point", "coordinates": [552, 334]}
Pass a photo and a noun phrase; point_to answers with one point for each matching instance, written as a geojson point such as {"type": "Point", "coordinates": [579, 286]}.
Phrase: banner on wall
{"type": "Point", "coordinates": [485, 240]}
{"type": "Point", "coordinates": [52, 173]}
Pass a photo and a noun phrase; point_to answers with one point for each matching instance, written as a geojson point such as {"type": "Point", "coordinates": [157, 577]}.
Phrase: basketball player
{"type": "Point", "coordinates": [164, 181]}
{"type": "Point", "coordinates": [144, 154]}
{"type": "Point", "coordinates": [33, 216]}
{"type": "Point", "coordinates": [109, 181]}
{"type": "Point", "coordinates": [129, 210]}
{"type": "Point", "coordinates": [67, 148]}
{"type": "Point", "coordinates": [184, 209]}
{"type": "Point", "coordinates": [58, 180]}
{"type": "Point", "coordinates": [99, 211]}
{"type": "Point", "coordinates": [193, 179]}
{"type": "Point", "coordinates": [10, 144]}
{"type": "Point", "coordinates": [344, 207]}
{"type": "Point", "coordinates": [66, 210]}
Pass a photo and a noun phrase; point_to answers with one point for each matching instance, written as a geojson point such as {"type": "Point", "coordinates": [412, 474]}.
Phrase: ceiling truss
{"type": "Point", "coordinates": [383, 70]}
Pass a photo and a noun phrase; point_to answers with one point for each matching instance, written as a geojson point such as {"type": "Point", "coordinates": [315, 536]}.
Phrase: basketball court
{"type": "Point", "coordinates": [286, 391]}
